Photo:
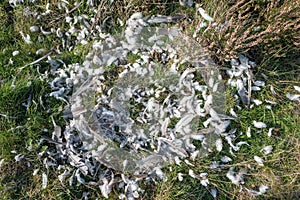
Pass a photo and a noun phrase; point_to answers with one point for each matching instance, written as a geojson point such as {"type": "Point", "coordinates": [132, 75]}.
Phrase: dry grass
{"type": "Point", "coordinates": [257, 27]}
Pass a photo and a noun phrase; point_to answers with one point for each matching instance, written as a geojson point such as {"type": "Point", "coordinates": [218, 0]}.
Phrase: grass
{"type": "Point", "coordinates": [252, 27]}
{"type": "Point", "coordinates": [21, 127]}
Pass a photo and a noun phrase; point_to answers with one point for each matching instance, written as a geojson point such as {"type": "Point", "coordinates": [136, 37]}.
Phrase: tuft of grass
{"type": "Point", "coordinates": [255, 27]}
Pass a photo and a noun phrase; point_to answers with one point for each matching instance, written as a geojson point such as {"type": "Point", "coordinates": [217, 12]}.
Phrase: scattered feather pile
{"type": "Point", "coordinates": [146, 112]}
{"type": "Point", "coordinates": [138, 101]}
{"type": "Point", "coordinates": [144, 116]}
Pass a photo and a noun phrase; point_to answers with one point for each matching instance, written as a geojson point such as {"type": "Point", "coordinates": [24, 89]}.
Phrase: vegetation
{"type": "Point", "coordinates": [257, 28]}
{"type": "Point", "coordinates": [266, 31]}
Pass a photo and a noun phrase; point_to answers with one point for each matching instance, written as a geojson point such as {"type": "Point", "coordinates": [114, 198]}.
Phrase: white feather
{"type": "Point", "coordinates": [207, 122]}
{"type": "Point", "coordinates": [204, 182]}
{"type": "Point", "coordinates": [219, 144]}
{"type": "Point", "coordinates": [185, 120]}
{"type": "Point", "coordinates": [259, 83]}
{"type": "Point", "coordinates": [180, 176]}
{"type": "Point", "coordinates": [270, 131]}
{"type": "Point", "coordinates": [107, 186]}
{"type": "Point", "coordinates": [1, 162]}
{"type": "Point", "coordinates": [177, 160]}
{"type": "Point", "coordinates": [259, 124]}
{"type": "Point", "coordinates": [15, 53]}
{"type": "Point", "coordinates": [45, 32]}
{"type": "Point", "coordinates": [19, 157]}
{"type": "Point", "coordinates": [35, 172]}
{"type": "Point", "coordinates": [248, 133]}
{"type": "Point", "coordinates": [257, 102]}
{"type": "Point", "coordinates": [44, 180]}
{"type": "Point", "coordinates": [226, 159]}
{"type": "Point", "coordinates": [255, 88]}
{"type": "Point", "coordinates": [272, 89]}
{"type": "Point", "coordinates": [263, 189]}
{"type": "Point", "coordinates": [269, 107]}
{"type": "Point", "coordinates": [293, 97]}
{"type": "Point", "coordinates": [204, 14]}
{"type": "Point", "coordinates": [192, 174]}
{"type": "Point", "coordinates": [271, 102]}
{"type": "Point", "coordinates": [105, 190]}
{"type": "Point", "coordinates": [297, 88]}
{"type": "Point", "coordinates": [267, 149]}
{"type": "Point", "coordinates": [197, 137]}
{"type": "Point", "coordinates": [259, 160]}
{"type": "Point", "coordinates": [159, 173]}
{"type": "Point", "coordinates": [34, 29]}
{"type": "Point", "coordinates": [63, 176]}
{"type": "Point", "coordinates": [213, 192]}
{"type": "Point", "coordinates": [214, 115]}
{"type": "Point", "coordinates": [188, 163]}
{"type": "Point", "coordinates": [232, 112]}
{"type": "Point", "coordinates": [194, 155]}
{"type": "Point", "coordinates": [26, 38]}
{"type": "Point", "coordinates": [235, 178]}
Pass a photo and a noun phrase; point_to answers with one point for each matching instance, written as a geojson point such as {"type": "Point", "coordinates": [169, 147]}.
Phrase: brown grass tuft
{"type": "Point", "coordinates": [257, 27]}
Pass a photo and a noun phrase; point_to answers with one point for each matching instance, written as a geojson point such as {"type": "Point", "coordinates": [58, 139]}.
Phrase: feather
{"type": "Point", "coordinates": [293, 97]}
{"type": "Point", "coordinates": [213, 192]}
{"type": "Point", "coordinates": [267, 149]}
{"type": "Point", "coordinates": [219, 144]}
{"type": "Point", "coordinates": [259, 160]}
{"type": "Point", "coordinates": [248, 133]}
{"type": "Point", "coordinates": [255, 88]}
{"type": "Point", "coordinates": [226, 159]}
{"type": "Point", "coordinates": [184, 121]}
{"type": "Point", "coordinates": [44, 180]}
{"type": "Point", "coordinates": [26, 38]}
{"type": "Point", "coordinates": [188, 163]}
{"type": "Point", "coordinates": [1, 162]}
{"type": "Point", "coordinates": [204, 14]}
{"type": "Point", "coordinates": [78, 177]}
{"type": "Point", "coordinates": [34, 29]}
{"type": "Point", "coordinates": [192, 174]}
{"type": "Point", "coordinates": [272, 89]}
{"type": "Point", "coordinates": [106, 188]}
{"type": "Point", "coordinates": [186, 2]}
{"type": "Point", "coordinates": [233, 113]}
{"type": "Point", "coordinates": [63, 176]}
{"type": "Point", "coordinates": [177, 160]}
{"type": "Point", "coordinates": [259, 124]}
{"type": "Point", "coordinates": [15, 53]}
{"type": "Point", "coordinates": [236, 178]}
{"type": "Point", "coordinates": [297, 88]}
{"type": "Point", "coordinates": [159, 173]}
{"type": "Point", "coordinates": [194, 155]}
{"type": "Point", "coordinates": [257, 102]}
{"type": "Point", "coordinates": [214, 114]}
{"type": "Point", "coordinates": [19, 157]}
{"type": "Point", "coordinates": [262, 190]}
{"type": "Point", "coordinates": [270, 131]}
{"type": "Point", "coordinates": [35, 172]}
{"type": "Point", "coordinates": [204, 182]}
{"type": "Point", "coordinates": [271, 102]}
{"type": "Point", "coordinates": [45, 32]}
{"type": "Point", "coordinates": [180, 177]}
{"type": "Point", "coordinates": [259, 83]}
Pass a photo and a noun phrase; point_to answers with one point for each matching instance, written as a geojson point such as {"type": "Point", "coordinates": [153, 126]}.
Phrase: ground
{"type": "Point", "coordinates": [26, 108]}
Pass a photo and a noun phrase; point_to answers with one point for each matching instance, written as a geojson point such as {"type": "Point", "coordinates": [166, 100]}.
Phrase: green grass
{"type": "Point", "coordinates": [23, 126]}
